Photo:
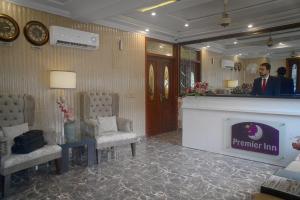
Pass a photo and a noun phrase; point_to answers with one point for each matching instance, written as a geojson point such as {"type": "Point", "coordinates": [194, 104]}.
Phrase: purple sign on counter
{"type": "Point", "coordinates": [256, 137]}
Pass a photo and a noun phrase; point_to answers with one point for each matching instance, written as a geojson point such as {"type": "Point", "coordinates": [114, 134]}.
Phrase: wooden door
{"type": "Point", "coordinates": [294, 70]}
{"type": "Point", "coordinates": [161, 107]}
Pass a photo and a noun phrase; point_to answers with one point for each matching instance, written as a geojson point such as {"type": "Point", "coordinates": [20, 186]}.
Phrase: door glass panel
{"type": "Point", "coordinates": [166, 82]}
{"type": "Point", "coordinates": [151, 82]}
{"type": "Point", "coordinates": [160, 48]}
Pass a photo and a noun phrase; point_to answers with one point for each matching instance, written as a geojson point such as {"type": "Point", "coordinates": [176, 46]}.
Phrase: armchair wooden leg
{"type": "Point", "coordinates": [58, 165]}
{"type": "Point", "coordinates": [98, 156]}
{"type": "Point", "coordinates": [133, 149]}
{"type": "Point", "coordinates": [112, 152]}
{"type": "Point", "coordinates": [5, 185]}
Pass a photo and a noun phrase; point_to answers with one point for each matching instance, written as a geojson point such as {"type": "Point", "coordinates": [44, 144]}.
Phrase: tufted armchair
{"type": "Point", "coordinates": [93, 104]}
{"type": "Point", "coordinates": [15, 110]}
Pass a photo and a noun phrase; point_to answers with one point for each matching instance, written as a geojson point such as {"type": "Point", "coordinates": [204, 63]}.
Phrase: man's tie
{"type": "Point", "coordinates": [263, 86]}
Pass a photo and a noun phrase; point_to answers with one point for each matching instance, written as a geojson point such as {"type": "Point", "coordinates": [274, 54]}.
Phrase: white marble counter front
{"type": "Point", "coordinates": [207, 124]}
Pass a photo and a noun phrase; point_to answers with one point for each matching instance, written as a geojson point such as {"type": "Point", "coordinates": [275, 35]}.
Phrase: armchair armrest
{"type": "Point", "coordinates": [124, 125]}
{"type": "Point", "coordinates": [89, 128]}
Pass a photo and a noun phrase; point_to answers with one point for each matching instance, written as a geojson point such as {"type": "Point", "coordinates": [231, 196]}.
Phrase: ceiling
{"type": "Point", "coordinates": [286, 43]}
{"type": "Point", "coordinates": [203, 16]}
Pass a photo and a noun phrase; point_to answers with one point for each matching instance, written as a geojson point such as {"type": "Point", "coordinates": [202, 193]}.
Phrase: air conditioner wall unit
{"type": "Point", "coordinates": [68, 37]}
{"type": "Point", "coordinates": [227, 64]}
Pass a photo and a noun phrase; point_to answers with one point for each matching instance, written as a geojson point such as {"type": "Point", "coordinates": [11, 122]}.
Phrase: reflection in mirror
{"type": "Point", "coordinates": [189, 68]}
{"type": "Point", "coordinates": [240, 59]}
{"type": "Point", "coordinates": [294, 76]}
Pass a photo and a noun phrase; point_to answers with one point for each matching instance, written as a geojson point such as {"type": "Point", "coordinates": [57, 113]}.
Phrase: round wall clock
{"type": "Point", "coordinates": [36, 33]}
{"type": "Point", "coordinates": [9, 29]}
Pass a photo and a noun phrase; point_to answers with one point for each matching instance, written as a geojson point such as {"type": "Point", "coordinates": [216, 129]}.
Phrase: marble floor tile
{"type": "Point", "coordinates": [162, 170]}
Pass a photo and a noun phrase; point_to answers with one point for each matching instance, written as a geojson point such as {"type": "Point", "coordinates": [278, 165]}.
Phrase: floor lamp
{"type": "Point", "coordinates": [62, 80]}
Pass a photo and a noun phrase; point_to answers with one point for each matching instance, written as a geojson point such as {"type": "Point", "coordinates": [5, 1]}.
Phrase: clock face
{"type": "Point", "coordinates": [36, 33]}
{"type": "Point", "coordinates": [9, 29]}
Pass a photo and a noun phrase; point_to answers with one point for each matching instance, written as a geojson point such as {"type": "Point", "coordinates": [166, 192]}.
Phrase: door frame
{"type": "Point", "coordinates": [175, 60]}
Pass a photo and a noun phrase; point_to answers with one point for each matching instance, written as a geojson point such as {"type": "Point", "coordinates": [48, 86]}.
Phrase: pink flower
{"type": "Point", "coordinates": [68, 112]}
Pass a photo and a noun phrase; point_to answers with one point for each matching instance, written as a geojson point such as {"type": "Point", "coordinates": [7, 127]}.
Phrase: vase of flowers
{"type": "Point", "coordinates": [199, 89]}
{"type": "Point", "coordinates": [69, 122]}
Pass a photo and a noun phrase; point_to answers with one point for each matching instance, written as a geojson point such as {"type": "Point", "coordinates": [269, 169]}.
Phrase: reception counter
{"type": "Point", "coordinates": [260, 129]}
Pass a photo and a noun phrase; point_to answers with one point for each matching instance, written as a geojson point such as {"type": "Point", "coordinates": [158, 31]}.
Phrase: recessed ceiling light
{"type": "Point", "coordinates": [161, 46]}
{"type": "Point", "coordinates": [240, 54]}
{"type": "Point", "coordinates": [153, 13]}
{"type": "Point", "coordinates": [186, 25]}
{"type": "Point", "coordinates": [147, 30]}
{"type": "Point", "coordinates": [280, 43]}
{"type": "Point", "coordinates": [235, 42]}
{"type": "Point", "coordinates": [250, 25]}
{"type": "Point", "coordinates": [207, 46]}
{"type": "Point", "coordinates": [157, 6]}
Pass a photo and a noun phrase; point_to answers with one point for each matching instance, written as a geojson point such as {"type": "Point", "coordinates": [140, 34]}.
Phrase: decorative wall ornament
{"type": "Point", "coordinates": [36, 33]}
{"type": "Point", "coordinates": [237, 66]}
{"type": "Point", "coordinates": [9, 28]}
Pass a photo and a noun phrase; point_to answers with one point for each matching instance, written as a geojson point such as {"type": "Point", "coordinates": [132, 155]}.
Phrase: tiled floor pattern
{"type": "Point", "coordinates": [161, 170]}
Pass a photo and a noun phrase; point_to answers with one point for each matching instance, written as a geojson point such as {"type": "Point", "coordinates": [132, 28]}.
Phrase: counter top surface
{"type": "Point", "coordinates": [251, 96]}
{"type": "Point", "coordinates": [277, 106]}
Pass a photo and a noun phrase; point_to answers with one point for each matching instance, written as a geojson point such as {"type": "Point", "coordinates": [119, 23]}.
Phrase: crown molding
{"type": "Point", "coordinates": [135, 30]}
{"type": "Point", "coordinates": [40, 7]}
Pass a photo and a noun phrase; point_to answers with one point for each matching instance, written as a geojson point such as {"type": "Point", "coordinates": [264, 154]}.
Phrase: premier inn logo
{"type": "Point", "coordinates": [256, 137]}
{"type": "Point", "coordinates": [255, 132]}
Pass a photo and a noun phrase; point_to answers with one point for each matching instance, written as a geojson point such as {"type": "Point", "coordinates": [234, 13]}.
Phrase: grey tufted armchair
{"type": "Point", "coordinates": [93, 104]}
{"type": "Point", "coordinates": [15, 110]}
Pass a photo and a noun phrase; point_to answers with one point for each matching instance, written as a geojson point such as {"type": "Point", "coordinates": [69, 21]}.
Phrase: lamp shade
{"type": "Point", "coordinates": [232, 83]}
{"type": "Point", "coordinates": [62, 79]}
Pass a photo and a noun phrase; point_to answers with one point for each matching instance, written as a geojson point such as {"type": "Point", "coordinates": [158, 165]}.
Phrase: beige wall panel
{"type": "Point", "coordinates": [24, 69]}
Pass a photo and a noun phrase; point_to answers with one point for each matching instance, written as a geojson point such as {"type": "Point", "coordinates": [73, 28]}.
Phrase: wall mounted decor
{"type": "Point", "coordinates": [36, 33]}
{"type": "Point", "coordinates": [9, 28]}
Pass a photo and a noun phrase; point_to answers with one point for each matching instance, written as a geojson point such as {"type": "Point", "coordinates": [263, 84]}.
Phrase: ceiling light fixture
{"type": "Point", "coordinates": [207, 46]}
{"type": "Point", "coordinates": [186, 25]}
{"type": "Point", "coordinates": [250, 26]}
{"type": "Point", "coordinates": [280, 43]}
{"type": "Point", "coordinates": [270, 41]}
{"type": "Point", "coordinates": [153, 13]}
{"type": "Point", "coordinates": [235, 42]}
{"type": "Point", "coordinates": [147, 30]}
{"type": "Point", "coordinates": [225, 20]}
{"type": "Point", "coordinates": [156, 6]}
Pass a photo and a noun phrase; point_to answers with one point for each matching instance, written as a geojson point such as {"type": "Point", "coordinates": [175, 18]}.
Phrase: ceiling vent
{"type": "Point", "coordinates": [225, 20]}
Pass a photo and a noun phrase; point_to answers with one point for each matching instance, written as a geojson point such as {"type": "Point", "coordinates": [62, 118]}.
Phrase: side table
{"type": "Point", "coordinates": [90, 144]}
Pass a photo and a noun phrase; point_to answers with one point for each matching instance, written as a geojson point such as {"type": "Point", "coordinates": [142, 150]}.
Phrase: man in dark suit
{"type": "Point", "coordinates": [266, 85]}
{"type": "Point", "coordinates": [286, 84]}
